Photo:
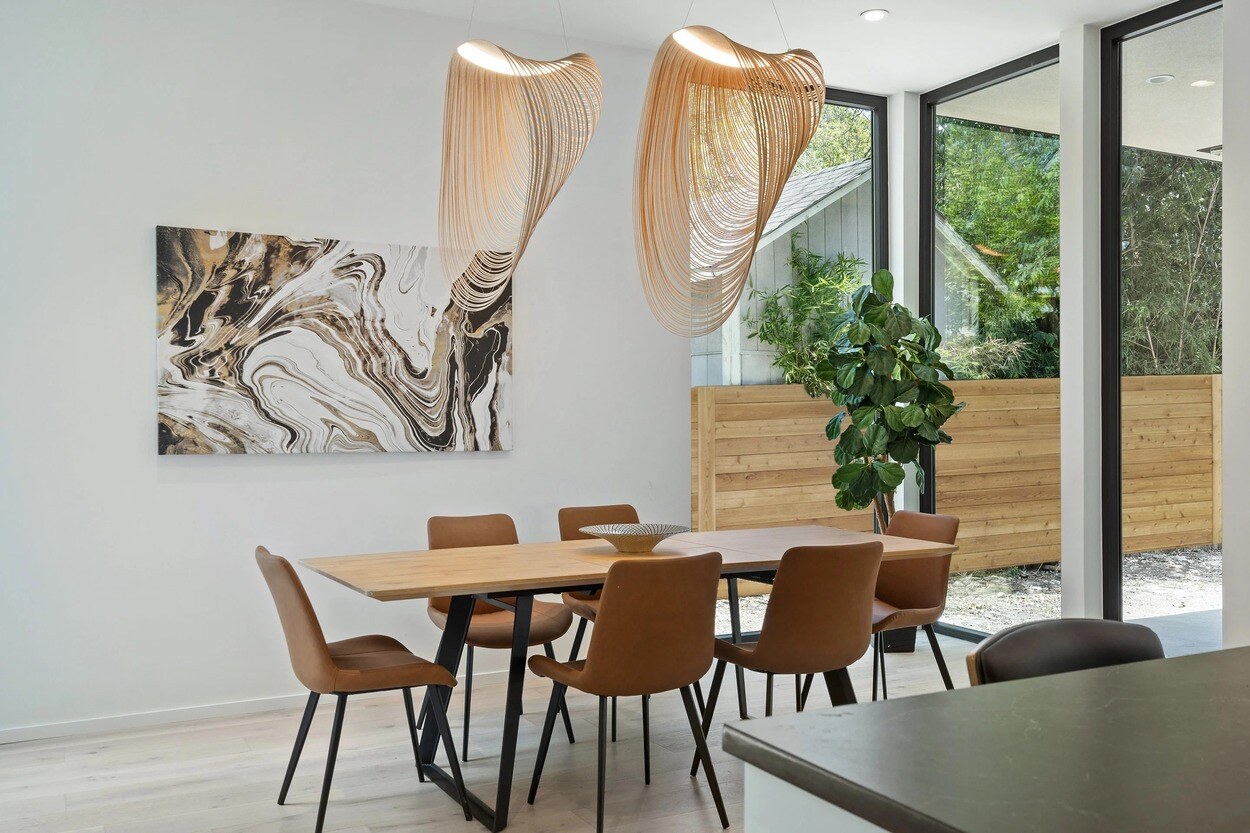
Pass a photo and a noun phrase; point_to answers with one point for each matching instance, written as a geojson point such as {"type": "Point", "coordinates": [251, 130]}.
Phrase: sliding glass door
{"type": "Point", "coordinates": [1163, 320]}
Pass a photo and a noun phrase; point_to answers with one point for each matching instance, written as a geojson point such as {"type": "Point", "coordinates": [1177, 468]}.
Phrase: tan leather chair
{"type": "Point", "coordinates": [818, 621]}
{"type": "Point", "coordinates": [911, 592]}
{"type": "Point", "coordinates": [1056, 646]}
{"type": "Point", "coordinates": [350, 666]}
{"type": "Point", "coordinates": [647, 604]}
{"type": "Point", "coordinates": [491, 626]}
{"type": "Point", "coordinates": [583, 603]}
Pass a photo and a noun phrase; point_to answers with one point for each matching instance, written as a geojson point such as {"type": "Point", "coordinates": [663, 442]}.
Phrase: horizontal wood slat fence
{"type": "Point", "coordinates": [759, 457]}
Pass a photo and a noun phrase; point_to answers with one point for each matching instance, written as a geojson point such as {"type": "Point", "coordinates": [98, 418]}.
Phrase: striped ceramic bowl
{"type": "Point", "coordinates": [634, 537]}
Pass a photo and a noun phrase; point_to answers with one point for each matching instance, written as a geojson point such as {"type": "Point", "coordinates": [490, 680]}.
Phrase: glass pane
{"type": "Point", "coordinates": [1170, 319]}
{"type": "Point", "coordinates": [819, 239]}
{"type": "Point", "coordinates": [996, 287]}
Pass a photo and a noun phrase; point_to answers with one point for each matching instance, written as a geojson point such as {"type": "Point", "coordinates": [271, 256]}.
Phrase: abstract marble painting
{"type": "Point", "coordinates": [270, 344]}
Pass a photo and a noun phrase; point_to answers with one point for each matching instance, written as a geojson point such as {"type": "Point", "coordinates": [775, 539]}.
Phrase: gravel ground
{"type": "Point", "coordinates": [1155, 584]}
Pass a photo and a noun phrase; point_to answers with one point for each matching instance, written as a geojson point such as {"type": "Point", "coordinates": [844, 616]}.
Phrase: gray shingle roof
{"type": "Point", "coordinates": [805, 190]}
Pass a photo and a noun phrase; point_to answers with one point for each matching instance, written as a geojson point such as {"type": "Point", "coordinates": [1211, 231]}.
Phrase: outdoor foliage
{"type": "Point", "coordinates": [999, 190]}
{"type": "Point", "coordinates": [844, 135]}
{"type": "Point", "coordinates": [1172, 264]}
{"type": "Point", "coordinates": [799, 319]}
{"type": "Point", "coordinates": [884, 368]}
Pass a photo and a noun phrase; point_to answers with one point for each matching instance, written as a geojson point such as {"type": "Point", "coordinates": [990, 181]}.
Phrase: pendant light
{"type": "Point", "coordinates": [722, 128]}
{"type": "Point", "coordinates": [513, 130]}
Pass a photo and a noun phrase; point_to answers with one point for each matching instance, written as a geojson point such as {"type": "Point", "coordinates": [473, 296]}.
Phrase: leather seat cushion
{"type": "Point", "coordinates": [376, 662]}
{"type": "Point", "coordinates": [887, 617]}
{"type": "Point", "coordinates": [582, 604]}
{"type": "Point", "coordinates": [549, 621]}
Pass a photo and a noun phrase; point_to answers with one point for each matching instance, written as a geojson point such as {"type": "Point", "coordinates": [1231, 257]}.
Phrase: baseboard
{"type": "Point", "coordinates": [143, 720]}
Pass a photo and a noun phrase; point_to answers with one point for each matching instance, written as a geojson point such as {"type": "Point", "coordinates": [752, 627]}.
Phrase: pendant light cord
{"type": "Point", "coordinates": [689, 9]}
{"type": "Point", "coordinates": [563, 30]}
{"type": "Point", "coordinates": [780, 25]}
{"type": "Point", "coordinates": [472, 14]}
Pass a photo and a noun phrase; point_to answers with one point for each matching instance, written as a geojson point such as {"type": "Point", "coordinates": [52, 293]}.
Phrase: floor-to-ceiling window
{"type": "Point", "coordinates": [990, 280]}
{"type": "Point", "coordinates": [1162, 323]}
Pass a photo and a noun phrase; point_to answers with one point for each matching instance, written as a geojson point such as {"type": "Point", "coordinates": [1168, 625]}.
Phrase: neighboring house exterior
{"type": "Point", "coordinates": [827, 212]}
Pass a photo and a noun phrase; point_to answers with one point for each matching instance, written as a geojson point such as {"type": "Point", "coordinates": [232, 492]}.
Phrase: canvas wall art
{"type": "Point", "coordinates": [270, 344]}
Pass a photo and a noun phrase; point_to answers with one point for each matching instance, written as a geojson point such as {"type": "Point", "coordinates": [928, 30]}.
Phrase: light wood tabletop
{"type": "Point", "coordinates": [421, 574]}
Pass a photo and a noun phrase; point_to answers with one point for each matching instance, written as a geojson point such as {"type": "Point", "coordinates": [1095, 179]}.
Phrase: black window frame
{"type": "Point", "coordinates": [1111, 209]}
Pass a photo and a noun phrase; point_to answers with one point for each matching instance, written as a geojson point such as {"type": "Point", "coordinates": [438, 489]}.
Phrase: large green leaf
{"type": "Point", "coordinates": [898, 324]}
{"type": "Point", "coordinates": [893, 415]}
{"type": "Point", "coordinates": [881, 360]}
{"type": "Point", "coordinates": [905, 449]}
{"type": "Point", "coordinates": [834, 426]}
{"type": "Point", "coordinates": [890, 474]}
{"type": "Point", "coordinates": [859, 333]}
{"type": "Point", "coordinates": [883, 283]}
{"type": "Point", "coordinates": [913, 415]}
{"type": "Point", "coordinates": [876, 438]}
{"type": "Point", "coordinates": [847, 474]}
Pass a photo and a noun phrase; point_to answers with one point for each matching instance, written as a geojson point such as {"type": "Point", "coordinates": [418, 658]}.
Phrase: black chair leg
{"type": "Point", "coordinates": [841, 692]}
{"type": "Point", "coordinates": [309, 710]}
{"type": "Point", "coordinates": [885, 693]}
{"type": "Point", "coordinates": [603, 762]}
{"type": "Point", "coordinates": [876, 662]}
{"type": "Point", "coordinates": [710, 709]}
{"type": "Point", "coordinates": [439, 713]}
{"type": "Point", "coordinates": [798, 692]}
{"type": "Point", "coordinates": [564, 709]}
{"type": "Point", "coordinates": [698, 697]}
{"type": "Point", "coordinates": [768, 696]}
{"type": "Point", "coordinates": [700, 743]}
{"type": "Point", "coordinates": [335, 732]}
{"type": "Point", "coordinates": [412, 732]}
{"type": "Point", "coordinates": [646, 739]}
{"type": "Point", "coordinates": [941, 660]}
{"type": "Point", "coordinates": [807, 689]}
{"type": "Point", "coordinates": [735, 626]}
{"type": "Point", "coordinates": [468, 700]}
{"type": "Point", "coordinates": [577, 639]}
{"type": "Point", "coordinates": [549, 725]}
{"type": "Point", "coordinates": [614, 720]}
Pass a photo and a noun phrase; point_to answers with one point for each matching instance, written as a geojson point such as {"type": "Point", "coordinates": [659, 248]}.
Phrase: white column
{"type": "Point", "coordinates": [1080, 441]}
{"type": "Point", "coordinates": [1236, 333]}
{"type": "Point", "coordinates": [903, 118]}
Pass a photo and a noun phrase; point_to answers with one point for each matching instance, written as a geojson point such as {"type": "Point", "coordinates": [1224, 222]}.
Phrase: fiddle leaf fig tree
{"type": "Point", "coordinates": [884, 368]}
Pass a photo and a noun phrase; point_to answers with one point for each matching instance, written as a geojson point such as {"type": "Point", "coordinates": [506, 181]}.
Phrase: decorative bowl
{"type": "Point", "coordinates": [634, 537]}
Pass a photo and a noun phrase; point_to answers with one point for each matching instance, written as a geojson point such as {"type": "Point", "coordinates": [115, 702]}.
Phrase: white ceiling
{"type": "Point", "coordinates": [1174, 117]}
{"type": "Point", "coordinates": [921, 45]}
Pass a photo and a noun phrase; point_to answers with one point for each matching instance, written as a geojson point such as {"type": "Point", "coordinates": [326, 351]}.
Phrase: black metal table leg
{"type": "Point", "coordinates": [512, 707]}
{"type": "Point", "coordinates": [735, 624]}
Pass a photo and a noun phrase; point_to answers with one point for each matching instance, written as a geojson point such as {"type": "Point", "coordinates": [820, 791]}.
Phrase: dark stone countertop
{"type": "Point", "coordinates": [1147, 748]}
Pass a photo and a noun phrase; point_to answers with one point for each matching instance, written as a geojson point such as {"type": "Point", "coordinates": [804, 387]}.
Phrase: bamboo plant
{"type": "Point", "coordinates": [885, 370]}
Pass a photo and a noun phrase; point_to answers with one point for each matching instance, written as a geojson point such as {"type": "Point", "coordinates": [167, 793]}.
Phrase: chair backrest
{"type": "Point", "coordinates": [573, 518]}
{"type": "Point", "coordinates": [1054, 646]}
{"type": "Point", "coordinates": [920, 582]}
{"type": "Point", "coordinates": [310, 657]}
{"type": "Point", "coordinates": [819, 615]}
{"type": "Point", "coordinates": [656, 625]}
{"type": "Point", "coordinates": [446, 532]}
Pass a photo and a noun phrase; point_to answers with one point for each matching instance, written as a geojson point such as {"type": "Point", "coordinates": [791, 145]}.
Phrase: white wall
{"type": "Point", "coordinates": [128, 583]}
{"type": "Point", "coordinates": [1236, 333]}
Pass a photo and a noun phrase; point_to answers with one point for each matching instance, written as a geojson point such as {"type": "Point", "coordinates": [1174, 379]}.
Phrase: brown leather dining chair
{"type": "Point", "coordinates": [1055, 646]}
{"type": "Point", "coordinates": [583, 603]}
{"type": "Point", "coordinates": [653, 634]}
{"type": "Point", "coordinates": [350, 666]}
{"type": "Point", "coordinates": [818, 621]}
{"type": "Point", "coordinates": [911, 592]}
{"type": "Point", "coordinates": [491, 626]}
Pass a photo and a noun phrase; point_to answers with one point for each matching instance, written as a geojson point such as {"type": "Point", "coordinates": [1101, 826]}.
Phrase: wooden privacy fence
{"type": "Point", "coordinates": [760, 458]}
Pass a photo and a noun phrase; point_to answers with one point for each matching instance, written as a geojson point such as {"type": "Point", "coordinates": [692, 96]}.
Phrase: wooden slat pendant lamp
{"type": "Point", "coordinates": [722, 128]}
{"type": "Point", "coordinates": [513, 130]}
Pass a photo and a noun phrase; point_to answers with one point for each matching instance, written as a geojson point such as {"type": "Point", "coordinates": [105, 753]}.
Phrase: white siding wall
{"type": "Point", "coordinates": [728, 356]}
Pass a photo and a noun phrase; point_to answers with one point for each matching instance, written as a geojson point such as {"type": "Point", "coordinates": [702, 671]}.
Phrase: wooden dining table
{"type": "Point", "coordinates": [510, 576]}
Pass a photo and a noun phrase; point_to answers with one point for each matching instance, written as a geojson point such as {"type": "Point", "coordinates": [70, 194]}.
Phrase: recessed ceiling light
{"type": "Point", "coordinates": [1160, 79]}
{"type": "Point", "coordinates": [1203, 83]}
{"type": "Point", "coordinates": [873, 15]}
